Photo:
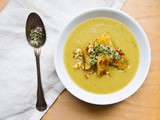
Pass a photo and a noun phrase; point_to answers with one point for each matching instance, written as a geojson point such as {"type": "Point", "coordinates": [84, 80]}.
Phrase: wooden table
{"type": "Point", "coordinates": [145, 104]}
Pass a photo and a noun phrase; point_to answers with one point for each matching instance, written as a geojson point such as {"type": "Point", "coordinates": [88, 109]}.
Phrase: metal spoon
{"type": "Point", "coordinates": [34, 24]}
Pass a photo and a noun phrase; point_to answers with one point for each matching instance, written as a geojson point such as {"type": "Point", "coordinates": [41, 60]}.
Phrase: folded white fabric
{"type": "Point", "coordinates": [18, 82]}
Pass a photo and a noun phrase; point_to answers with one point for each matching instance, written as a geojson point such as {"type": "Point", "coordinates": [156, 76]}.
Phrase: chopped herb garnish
{"type": "Point", "coordinates": [36, 37]}
{"type": "Point", "coordinates": [93, 61]}
{"type": "Point", "coordinates": [100, 49]}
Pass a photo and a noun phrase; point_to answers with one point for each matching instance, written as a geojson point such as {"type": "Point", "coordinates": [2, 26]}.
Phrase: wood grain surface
{"type": "Point", "coordinates": [145, 103]}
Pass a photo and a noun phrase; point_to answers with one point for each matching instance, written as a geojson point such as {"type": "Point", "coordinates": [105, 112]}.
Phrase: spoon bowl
{"type": "Point", "coordinates": [34, 21]}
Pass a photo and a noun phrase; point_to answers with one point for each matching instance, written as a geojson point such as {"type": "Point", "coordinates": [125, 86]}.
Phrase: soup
{"type": "Point", "coordinates": [101, 55]}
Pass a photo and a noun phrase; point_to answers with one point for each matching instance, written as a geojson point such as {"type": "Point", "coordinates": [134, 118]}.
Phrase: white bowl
{"type": "Point", "coordinates": [143, 68]}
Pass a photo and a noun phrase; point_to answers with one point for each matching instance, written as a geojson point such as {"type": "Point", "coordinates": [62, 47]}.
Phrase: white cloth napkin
{"type": "Point", "coordinates": [18, 82]}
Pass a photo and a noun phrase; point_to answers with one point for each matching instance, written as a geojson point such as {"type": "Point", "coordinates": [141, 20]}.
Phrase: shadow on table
{"type": "Point", "coordinates": [96, 109]}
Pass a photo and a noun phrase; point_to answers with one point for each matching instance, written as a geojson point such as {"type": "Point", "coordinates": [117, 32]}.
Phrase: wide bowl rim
{"type": "Point", "coordinates": [91, 97]}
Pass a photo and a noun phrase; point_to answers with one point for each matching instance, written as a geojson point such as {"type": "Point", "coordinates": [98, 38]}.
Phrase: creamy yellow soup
{"type": "Point", "coordinates": [121, 38]}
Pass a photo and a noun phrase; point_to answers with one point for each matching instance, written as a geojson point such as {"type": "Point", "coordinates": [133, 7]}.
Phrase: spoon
{"type": "Point", "coordinates": [36, 36]}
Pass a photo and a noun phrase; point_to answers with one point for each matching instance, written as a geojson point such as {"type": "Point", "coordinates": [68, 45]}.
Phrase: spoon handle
{"type": "Point", "coordinates": [41, 103]}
